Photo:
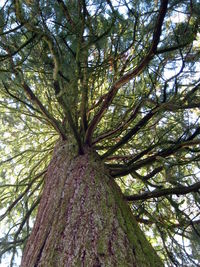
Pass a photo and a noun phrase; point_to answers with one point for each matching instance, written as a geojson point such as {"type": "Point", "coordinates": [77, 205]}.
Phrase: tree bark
{"type": "Point", "coordinates": [83, 220]}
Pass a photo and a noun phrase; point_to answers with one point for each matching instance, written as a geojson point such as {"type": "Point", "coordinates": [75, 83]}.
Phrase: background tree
{"type": "Point", "coordinates": [117, 78]}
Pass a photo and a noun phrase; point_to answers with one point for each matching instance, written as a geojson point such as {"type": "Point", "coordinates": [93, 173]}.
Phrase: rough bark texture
{"type": "Point", "coordinates": [83, 220]}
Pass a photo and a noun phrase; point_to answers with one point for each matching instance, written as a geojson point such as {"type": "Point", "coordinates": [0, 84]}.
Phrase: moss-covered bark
{"type": "Point", "coordinates": [83, 220]}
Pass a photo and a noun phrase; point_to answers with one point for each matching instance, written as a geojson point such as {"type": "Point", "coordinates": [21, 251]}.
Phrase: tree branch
{"type": "Point", "coordinates": [126, 169]}
{"type": "Point", "coordinates": [130, 134]}
{"type": "Point", "coordinates": [120, 127]}
{"type": "Point", "coordinates": [18, 99]}
{"type": "Point", "coordinates": [3, 57]}
{"type": "Point", "coordinates": [127, 77]}
{"type": "Point", "coordinates": [56, 124]}
{"type": "Point", "coordinates": [15, 202]}
{"type": "Point", "coordinates": [150, 175]}
{"type": "Point", "coordinates": [67, 14]}
{"type": "Point", "coordinates": [68, 114]}
{"type": "Point", "coordinates": [181, 190]}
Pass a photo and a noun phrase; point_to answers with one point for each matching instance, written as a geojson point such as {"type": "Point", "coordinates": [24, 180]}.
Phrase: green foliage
{"type": "Point", "coordinates": [95, 71]}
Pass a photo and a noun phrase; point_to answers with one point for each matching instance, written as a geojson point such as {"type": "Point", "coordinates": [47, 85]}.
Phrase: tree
{"type": "Point", "coordinates": [100, 132]}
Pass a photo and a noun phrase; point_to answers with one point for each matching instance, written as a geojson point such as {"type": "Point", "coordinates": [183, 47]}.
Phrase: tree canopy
{"type": "Point", "coordinates": [119, 76]}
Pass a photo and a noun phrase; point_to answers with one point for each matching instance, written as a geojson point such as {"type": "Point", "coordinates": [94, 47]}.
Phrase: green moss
{"type": "Point", "coordinates": [78, 262]}
{"type": "Point", "coordinates": [144, 253]}
{"type": "Point", "coordinates": [101, 247]}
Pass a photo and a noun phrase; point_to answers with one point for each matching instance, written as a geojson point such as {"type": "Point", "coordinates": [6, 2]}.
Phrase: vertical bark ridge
{"type": "Point", "coordinates": [83, 219]}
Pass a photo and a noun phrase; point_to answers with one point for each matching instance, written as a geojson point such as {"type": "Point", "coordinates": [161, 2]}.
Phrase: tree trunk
{"type": "Point", "coordinates": [83, 220]}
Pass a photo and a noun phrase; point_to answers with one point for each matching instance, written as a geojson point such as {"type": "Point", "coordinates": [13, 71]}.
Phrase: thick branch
{"type": "Point", "coordinates": [68, 114]}
{"type": "Point", "coordinates": [126, 169]}
{"type": "Point", "coordinates": [84, 95]}
{"type": "Point", "coordinates": [164, 192]}
{"type": "Point", "coordinates": [172, 224]}
{"type": "Point", "coordinates": [127, 77]}
{"type": "Point", "coordinates": [66, 13]}
{"type": "Point", "coordinates": [130, 134]}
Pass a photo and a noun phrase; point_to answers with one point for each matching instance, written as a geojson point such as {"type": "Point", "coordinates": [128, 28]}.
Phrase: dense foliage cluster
{"type": "Point", "coordinates": [120, 76]}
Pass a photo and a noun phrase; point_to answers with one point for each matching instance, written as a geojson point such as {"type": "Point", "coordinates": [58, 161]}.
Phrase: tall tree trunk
{"type": "Point", "coordinates": [83, 220]}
